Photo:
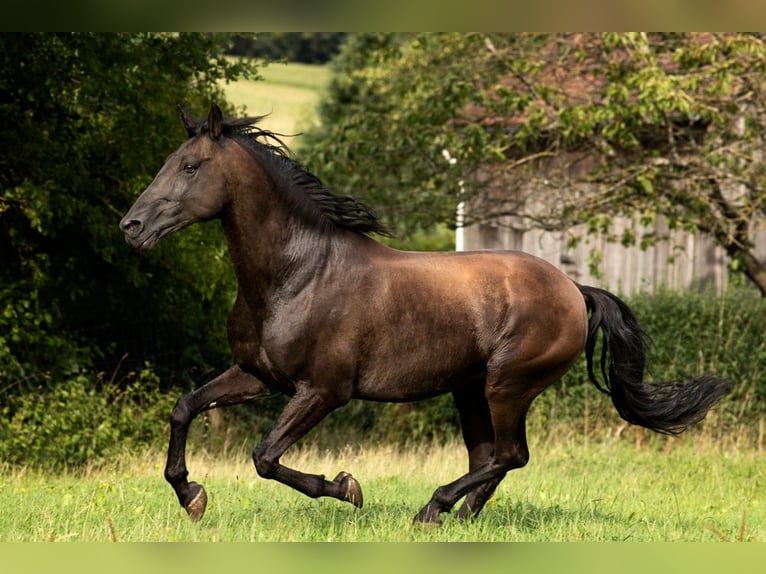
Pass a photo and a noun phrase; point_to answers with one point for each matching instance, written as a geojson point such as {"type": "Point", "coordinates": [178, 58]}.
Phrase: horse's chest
{"type": "Point", "coordinates": [276, 377]}
{"type": "Point", "coordinates": [281, 352]}
{"type": "Point", "coordinates": [265, 345]}
{"type": "Point", "coordinates": [284, 347]}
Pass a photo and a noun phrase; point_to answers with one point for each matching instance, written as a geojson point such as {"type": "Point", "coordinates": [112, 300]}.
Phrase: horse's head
{"type": "Point", "coordinates": [188, 188]}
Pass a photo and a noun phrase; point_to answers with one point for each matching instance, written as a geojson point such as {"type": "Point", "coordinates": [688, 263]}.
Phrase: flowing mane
{"type": "Point", "coordinates": [303, 189]}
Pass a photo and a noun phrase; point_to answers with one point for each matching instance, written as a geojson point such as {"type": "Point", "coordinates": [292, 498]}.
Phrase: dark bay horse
{"type": "Point", "coordinates": [325, 314]}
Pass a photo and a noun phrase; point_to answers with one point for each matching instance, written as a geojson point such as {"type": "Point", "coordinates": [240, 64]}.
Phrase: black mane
{"type": "Point", "coordinates": [305, 190]}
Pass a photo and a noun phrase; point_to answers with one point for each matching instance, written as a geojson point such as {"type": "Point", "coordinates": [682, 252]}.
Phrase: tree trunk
{"type": "Point", "coordinates": [755, 270]}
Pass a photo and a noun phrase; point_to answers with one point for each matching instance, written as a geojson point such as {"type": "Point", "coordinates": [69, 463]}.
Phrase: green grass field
{"type": "Point", "coordinates": [683, 489]}
{"type": "Point", "coordinates": [288, 92]}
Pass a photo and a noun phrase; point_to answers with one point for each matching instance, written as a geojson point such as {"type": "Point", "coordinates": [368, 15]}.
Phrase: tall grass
{"type": "Point", "coordinates": [686, 489]}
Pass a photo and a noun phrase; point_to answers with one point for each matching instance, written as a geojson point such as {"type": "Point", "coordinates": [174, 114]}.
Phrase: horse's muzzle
{"type": "Point", "coordinates": [136, 235]}
{"type": "Point", "coordinates": [131, 227]}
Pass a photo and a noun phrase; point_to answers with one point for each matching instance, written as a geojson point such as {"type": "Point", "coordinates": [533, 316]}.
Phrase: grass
{"type": "Point", "coordinates": [288, 92]}
{"type": "Point", "coordinates": [687, 489]}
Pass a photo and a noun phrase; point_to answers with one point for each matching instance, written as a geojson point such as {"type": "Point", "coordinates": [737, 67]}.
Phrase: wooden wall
{"type": "Point", "coordinates": [684, 262]}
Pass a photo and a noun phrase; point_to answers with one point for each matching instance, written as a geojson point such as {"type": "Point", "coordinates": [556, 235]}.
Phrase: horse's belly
{"type": "Point", "coordinates": [418, 376]}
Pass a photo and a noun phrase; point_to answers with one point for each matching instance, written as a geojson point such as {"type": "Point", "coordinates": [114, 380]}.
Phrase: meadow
{"type": "Point", "coordinates": [618, 489]}
{"type": "Point", "coordinates": [289, 93]}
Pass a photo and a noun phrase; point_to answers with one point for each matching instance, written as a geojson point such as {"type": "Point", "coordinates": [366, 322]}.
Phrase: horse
{"type": "Point", "coordinates": [324, 313]}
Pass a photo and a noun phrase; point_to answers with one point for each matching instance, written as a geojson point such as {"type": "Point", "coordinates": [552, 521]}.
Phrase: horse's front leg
{"type": "Point", "coordinates": [229, 388]}
{"type": "Point", "coordinates": [304, 411]}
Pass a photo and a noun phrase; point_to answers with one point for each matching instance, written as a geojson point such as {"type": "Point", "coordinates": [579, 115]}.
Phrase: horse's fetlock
{"type": "Point", "coordinates": [175, 476]}
{"type": "Point", "coordinates": [521, 457]}
{"type": "Point", "coordinates": [441, 500]}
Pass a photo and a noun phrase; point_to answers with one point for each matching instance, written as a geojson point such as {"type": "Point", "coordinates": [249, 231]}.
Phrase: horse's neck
{"type": "Point", "coordinates": [274, 253]}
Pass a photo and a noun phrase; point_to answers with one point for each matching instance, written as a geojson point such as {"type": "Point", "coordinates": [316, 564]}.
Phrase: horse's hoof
{"type": "Point", "coordinates": [428, 517]}
{"type": "Point", "coordinates": [353, 489]}
{"type": "Point", "coordinates": [196, 506]}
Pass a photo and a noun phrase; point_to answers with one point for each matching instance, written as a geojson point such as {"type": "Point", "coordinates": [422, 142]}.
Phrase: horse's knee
{"type": "Point", "coordinates": [265, 465]}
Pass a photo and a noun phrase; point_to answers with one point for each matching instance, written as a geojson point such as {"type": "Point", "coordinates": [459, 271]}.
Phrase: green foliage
{"type": "Point", "coordinates": [436, 238]}
{"type": "Point", "coordinates": [83, 421]}
{"type": "Point", "coordinates": [384, 122]}
{"type": "Point", "coordinates": [88, 119]}
{"type": "Point", "coordinates": [305, 47]}
{"type": "Point", "coordinates": [700, 332]}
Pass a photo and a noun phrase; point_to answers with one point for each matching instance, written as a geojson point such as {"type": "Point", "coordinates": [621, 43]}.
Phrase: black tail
{"type": "Point", "coordinates": [666, 407]}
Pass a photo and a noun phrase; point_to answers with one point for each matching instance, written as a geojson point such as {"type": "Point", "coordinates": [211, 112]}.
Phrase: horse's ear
{"type": "Point", "coordinates": [215, 122]}
{"type": "Point", "coordinates": [188, 123]}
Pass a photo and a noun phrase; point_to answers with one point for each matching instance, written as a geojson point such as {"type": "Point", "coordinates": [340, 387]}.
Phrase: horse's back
{"type": "Point", "coordinates": [536, 301]}
{"type": "Point", "coordinates": [527, 283]}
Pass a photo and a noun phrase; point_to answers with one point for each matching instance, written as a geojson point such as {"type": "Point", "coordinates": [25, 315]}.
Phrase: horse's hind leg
{"type": "Point", "coordinates": [479, 438]}
{"type": "Point", "coordinates": [231, 387]}
{"type": "Point", "coordinates": [508, 408]}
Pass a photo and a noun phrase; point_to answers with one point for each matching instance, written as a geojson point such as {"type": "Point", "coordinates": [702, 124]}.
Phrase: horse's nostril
{"type": "Point", "coordinates": [132, 227]}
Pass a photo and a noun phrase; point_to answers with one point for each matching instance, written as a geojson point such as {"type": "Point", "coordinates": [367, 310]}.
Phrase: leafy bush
{"type": "Point", "coordinates": [83, 420]}
{"type": "Point", "coordinates": [90, 117]}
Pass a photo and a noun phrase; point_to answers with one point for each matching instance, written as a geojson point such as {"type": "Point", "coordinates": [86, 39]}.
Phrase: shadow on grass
{"type": "Point", "coordinates": [591, 520]}
{"type": "Point", "coordinates": [382, 520]}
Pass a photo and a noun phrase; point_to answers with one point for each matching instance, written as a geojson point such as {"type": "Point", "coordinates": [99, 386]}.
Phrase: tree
{"type": "Point", "coordinates": [563, 129]}
{"type": "Point", "coordinates": [385, 123]}
{"type": "Point", "coordinates": [87, 119]}
{"type": "Point", "coordinates": [306, 47]}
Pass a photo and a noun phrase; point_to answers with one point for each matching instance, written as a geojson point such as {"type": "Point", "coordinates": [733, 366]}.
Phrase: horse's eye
{"type": "Point", "coordinates": [190, 169]}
